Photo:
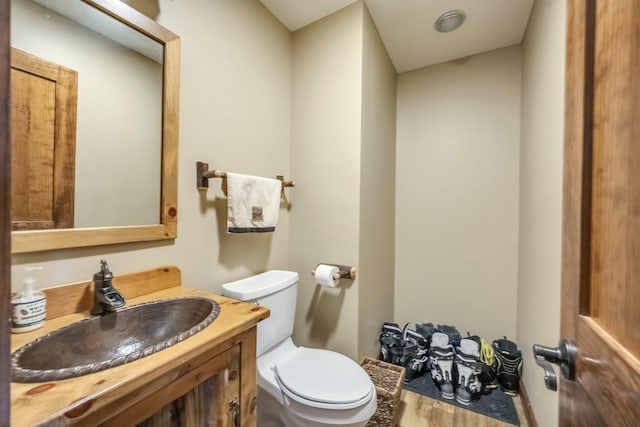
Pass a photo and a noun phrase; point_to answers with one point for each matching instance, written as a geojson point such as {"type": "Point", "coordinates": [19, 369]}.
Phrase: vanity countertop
{"type": "Point", "coordinates": [59, 402]}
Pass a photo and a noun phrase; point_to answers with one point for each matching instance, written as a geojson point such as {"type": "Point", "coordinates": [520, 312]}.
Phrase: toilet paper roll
{"type": "Point", "coordinates": [324, 275]}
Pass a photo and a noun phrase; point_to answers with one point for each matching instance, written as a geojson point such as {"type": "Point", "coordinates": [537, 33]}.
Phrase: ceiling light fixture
{"type": "Point", "coordinates": [450, 20]}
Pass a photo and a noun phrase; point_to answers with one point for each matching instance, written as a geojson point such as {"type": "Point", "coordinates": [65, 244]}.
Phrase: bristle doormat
{"type": "Point", "coordinates": [495, 405]}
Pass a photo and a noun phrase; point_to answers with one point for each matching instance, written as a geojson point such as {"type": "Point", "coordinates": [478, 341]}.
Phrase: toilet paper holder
{"type": "Point", "coordinates": [346, 271]}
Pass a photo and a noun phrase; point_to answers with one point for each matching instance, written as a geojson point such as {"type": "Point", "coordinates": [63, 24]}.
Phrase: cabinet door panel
{"type": "Point", "coordinates": [200, 397]}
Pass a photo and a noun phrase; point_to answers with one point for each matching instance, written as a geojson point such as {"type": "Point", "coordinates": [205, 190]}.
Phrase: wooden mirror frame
{"type": "Point", "coordinates": [41, 240]}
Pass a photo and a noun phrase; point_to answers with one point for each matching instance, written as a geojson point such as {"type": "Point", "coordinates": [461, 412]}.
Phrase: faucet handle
{"type": "Point", "coordinates": [104, 269]}
{"type": "Point", "coordinates": [104, 274]}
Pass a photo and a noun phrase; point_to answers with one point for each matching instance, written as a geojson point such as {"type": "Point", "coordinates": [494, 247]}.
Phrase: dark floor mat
{"type": "Point", "coordinates": [495, 405]}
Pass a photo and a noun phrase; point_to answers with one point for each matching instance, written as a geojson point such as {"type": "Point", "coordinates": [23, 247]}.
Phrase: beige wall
{"type": "Point", "coordinates": [377, 191]}
{"type": "Point", "coordinates": [457, 194]}
{"type": "Point", "coordinates": [235, 115]}
{"type": "Point", "coordinates": [541, 196]}
{"type": "Point", "coordinates": [325, 161]}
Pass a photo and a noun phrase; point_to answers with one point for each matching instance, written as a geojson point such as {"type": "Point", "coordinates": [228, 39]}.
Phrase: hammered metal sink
{"type": "Point", "coordinates": [103, 342]}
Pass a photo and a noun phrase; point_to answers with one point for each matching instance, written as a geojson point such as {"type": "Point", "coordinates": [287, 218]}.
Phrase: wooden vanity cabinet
{"type": "Point", "coordinates": [209, 379]}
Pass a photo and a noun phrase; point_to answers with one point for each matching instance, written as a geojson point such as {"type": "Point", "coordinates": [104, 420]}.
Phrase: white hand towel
{"type": "Point", "coordinates": [253, 203]}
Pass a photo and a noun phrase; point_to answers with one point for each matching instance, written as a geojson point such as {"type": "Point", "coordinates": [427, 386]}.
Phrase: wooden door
{"type": "Point", "coordinates": [5, 219]}
{"type": "Point", "coordinates": [43, 142]}
{"type": "Point", "coordinates": [601, 224]}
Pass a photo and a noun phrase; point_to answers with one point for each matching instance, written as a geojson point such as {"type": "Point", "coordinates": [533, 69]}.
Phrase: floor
{"type": "Point", "coordinates": [417, 410]}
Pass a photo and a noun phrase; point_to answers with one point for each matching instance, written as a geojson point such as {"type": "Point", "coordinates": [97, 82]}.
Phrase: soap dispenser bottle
{"type": "Point", "coordinates": [28, 307]}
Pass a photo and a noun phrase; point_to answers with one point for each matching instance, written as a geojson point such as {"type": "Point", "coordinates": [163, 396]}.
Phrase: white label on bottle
{"type": "Point", "coordinates": [27, 314]}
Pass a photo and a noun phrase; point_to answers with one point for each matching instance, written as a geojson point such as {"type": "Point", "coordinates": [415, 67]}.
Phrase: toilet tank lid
{"type": "Point", "coordinates": [260, 285]}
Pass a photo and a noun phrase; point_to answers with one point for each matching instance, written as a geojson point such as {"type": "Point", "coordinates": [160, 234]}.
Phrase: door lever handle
{"type": "Point", "coordinates": [563, 355]}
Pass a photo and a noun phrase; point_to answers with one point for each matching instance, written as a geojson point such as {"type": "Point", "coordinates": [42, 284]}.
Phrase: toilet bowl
{"type": "Point", "coordinates": [316, 387]}
{"type": "Point", "coordinates": [299, 386]}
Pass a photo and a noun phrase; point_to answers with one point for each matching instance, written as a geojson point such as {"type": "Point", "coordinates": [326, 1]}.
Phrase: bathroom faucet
{"type": "Point", "coordinates": [106, 298]}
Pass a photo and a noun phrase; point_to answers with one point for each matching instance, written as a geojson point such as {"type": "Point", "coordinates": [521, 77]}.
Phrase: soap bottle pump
{"type": "Point", "coordinates": [28, 307]}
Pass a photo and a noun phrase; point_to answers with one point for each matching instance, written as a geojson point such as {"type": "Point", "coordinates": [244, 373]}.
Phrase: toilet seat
{"type": "Point", "coordinates": [323, 379]}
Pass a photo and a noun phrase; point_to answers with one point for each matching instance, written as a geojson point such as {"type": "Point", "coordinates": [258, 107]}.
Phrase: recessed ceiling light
{"type": "Point", "coordinates": [450, 20]}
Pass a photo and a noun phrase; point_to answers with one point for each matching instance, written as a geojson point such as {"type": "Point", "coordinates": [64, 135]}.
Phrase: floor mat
{"type": "Point", "coordinates": [495, 405]}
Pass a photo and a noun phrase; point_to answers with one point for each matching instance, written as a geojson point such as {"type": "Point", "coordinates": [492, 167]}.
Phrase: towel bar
{"type": "Point", "coordinates": [203, 174]}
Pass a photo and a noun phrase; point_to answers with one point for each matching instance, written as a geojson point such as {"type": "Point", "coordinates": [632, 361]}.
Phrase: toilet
{"type": "Point", "coordinates": [299, 386]}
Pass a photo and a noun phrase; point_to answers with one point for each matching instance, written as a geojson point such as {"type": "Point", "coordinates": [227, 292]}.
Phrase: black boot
{"type": "Point", "coordinates": [509, 370]}
{"type": "Point", "coordinates": [390, 336]}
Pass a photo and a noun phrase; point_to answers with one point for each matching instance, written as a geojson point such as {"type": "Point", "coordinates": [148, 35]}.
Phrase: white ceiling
{"type": "Point", "coordinates": [407, 31]}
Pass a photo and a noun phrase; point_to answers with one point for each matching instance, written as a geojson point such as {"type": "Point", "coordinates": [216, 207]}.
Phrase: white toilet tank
{"type": "Point", "coordinates": [276, 290]}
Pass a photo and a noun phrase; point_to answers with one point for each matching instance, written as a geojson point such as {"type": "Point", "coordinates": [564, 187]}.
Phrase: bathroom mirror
{"type": "Point", "coordinates": [126, 142]}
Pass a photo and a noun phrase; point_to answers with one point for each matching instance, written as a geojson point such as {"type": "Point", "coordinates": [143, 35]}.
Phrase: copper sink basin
{"type": "Point", "coordinates": [103, 342]}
